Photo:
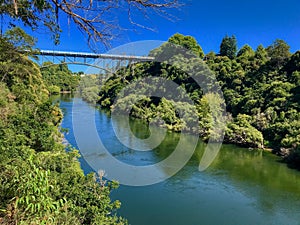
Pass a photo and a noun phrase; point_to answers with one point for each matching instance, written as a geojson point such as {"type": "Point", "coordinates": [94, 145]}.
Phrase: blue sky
{"type": "Point", "coordinates": [252, 22]}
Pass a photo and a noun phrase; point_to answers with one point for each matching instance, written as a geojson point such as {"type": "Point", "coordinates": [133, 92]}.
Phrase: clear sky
{"type": "Point", "coordinates": [252, 22]}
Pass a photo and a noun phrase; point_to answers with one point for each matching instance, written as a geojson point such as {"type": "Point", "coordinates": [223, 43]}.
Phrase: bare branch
{"type": "Point", "coordinates": [15, 6]}
{"type": "Point", "coordinates": [96, 19]}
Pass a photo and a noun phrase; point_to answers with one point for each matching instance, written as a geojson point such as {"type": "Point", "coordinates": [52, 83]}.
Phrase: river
{"type": "Point", "coordinates": [240, 187]}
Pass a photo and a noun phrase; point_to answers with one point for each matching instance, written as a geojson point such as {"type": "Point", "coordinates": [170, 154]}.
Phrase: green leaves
{"type": "Point", "coordinates": [279, 52]}
{"type": "Point", "coordinates": [189, 43]}
{"type": "Point", "coordinates": [261, 90]}
{"type": "Point", "coordinates": [59, 78]}
{"type": "Point", "coordinates": [41, 181]}
{"type": "Point", "coordinates": [33, 189]}
{"type": "Point", "coordinates": [241, 132]}
{"type": "Point", "coordinates": [20, 39]}
{"type": "Point", "coordinates": [31, 13]}
{"type": "Point", "coordinates": [228, 47]}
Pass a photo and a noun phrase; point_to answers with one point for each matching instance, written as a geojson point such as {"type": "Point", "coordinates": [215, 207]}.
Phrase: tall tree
{"type": "Point", "coordinates": [246, 51]}
{"type": "Point", "coordinates": [279, 52]}
{"type": "Point", "coordinates": [228, 47]}
{"type": "Point", "coordinates": [261, 54]}
{"type": "Point", "coordinates": [245, 57]}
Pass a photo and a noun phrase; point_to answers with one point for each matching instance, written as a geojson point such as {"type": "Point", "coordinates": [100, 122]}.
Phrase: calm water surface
{"type": "Point", "coordinates": [240, 187]}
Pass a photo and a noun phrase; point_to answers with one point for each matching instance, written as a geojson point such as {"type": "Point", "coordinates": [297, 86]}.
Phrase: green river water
{"type": "Point", "coordinates": [240, 187]}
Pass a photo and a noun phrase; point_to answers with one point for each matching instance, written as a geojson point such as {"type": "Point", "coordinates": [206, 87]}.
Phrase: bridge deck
{"type": "Point", "coordinates": [94, 55]}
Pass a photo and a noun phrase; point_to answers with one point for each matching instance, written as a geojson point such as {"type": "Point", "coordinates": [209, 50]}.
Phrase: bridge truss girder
{"type": "Point", "coordinates": [107, 65]}
{"type": "Point", "coordinates": [107, 62]}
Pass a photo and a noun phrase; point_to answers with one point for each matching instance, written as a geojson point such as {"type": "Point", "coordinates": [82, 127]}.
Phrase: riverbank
{"type": "Point", "coordinates": [41, 182]}
{"type": "Point", "coordinates": [260, 95]}
{"type": "Point", "coordinates": [239, 136]}
{"type": "Point", "coordinates": [239, 187]}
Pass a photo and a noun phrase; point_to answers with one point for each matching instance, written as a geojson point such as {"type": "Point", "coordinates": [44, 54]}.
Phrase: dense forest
{"type": "Point", "coordinates": [41, 181]}
{"type": "Point", "coordinates": [261, 89]}
{"type": "Point", "coordinates": [58, 78]}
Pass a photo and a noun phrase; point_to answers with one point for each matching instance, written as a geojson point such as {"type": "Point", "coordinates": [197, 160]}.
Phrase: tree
{"type": "Point", "coordinates": [18, 72]}
{"type": "Point", "coordinates": [279, 52]}
{"type": "Point", "coordinates": [241, 132]}
{"type": "Point", "coordinates": [261, 56]}
{"type": "Point", "coordinates": [245, 56]}
{"type": "Point", "coordinates": [187, 42]}
{"type": "Point", "coordinates": [19, 39]}
{"type": "Point", "coordinates": [261, 53]}
{"type": "Point", "coordinates": [93, 18]}
{"type": "Point", "coordinates": [246, 51]}
{"type": "Point", "coordinates": [293, 64]}
{"type": "Point", "coordinates": [228, 47]}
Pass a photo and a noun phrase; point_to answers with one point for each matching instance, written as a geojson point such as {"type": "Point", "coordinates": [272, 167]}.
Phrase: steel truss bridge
{"type": "Point", "coordinates": [107, 62]}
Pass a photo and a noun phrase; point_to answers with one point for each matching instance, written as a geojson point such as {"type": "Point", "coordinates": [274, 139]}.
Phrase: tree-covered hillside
{"type": "Point", "coordinates": [260, 88]}
{"type": "Point", "coordinates": [41, 182]}
{"type": "Point", "coordinates": [59, 78]}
